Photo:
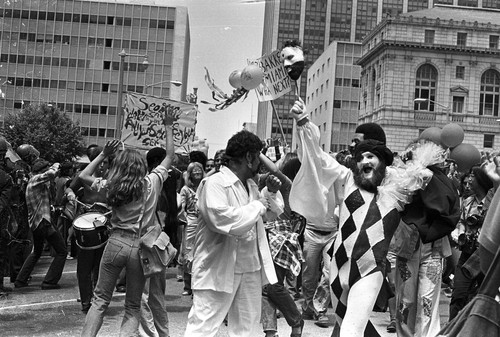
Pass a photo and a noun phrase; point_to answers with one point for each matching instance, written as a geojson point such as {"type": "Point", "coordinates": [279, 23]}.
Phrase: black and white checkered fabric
{"type": "Point", "coordinates": [361, 245]}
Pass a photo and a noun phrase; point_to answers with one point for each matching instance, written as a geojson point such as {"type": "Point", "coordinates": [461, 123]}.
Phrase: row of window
{"type": "Point", "coordinates": [71, 62]}
{"type": "Point", "coordinates": [75, 40]}
{"type": "Point", "coordinates": [429, 37]}
{"type": "Point", "coordinates": [101, 132]}
{"type": "Point", "coordinates": [87, 18]}
{"type": "Point", "coordinates": [70, 85]}
{"type": "Point", "coordinates": [347, 82]}
{"type": "Point", "coordinates": [489, 97]}
{"type": "Point", "coordinates": [68, 107]}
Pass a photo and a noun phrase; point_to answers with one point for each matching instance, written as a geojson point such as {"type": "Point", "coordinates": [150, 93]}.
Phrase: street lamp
{"type": "Point", "coordinates": [119, 103]}
{"type": "Point", "coordinates": [173, 82]}
{"type": "Point", "coordinates": [428, 100]}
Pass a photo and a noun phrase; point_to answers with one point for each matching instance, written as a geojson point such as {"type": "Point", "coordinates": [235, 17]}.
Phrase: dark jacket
{"type": "Point", "coordinates": [435, 210]}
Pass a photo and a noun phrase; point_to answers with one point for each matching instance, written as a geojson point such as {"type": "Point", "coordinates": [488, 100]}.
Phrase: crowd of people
{"type": "Point", "coordinates": [361, 230]}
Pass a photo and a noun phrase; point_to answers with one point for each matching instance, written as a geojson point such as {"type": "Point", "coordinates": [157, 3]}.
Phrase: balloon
{"type": "Point", "coordinates": [251, 76]}
{"type": "Point", "coordinates": [433, 134]}
{"type": "Point", "coordinates": [452, 135]}
{"type": "Point", "coordinates": [466, 156]}
{"type": "Point", "coordinates": [235, 79]}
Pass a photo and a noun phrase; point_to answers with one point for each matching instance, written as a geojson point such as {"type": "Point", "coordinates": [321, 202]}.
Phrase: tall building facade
{"type": "Point", "coordinates": [430, 68]}
{"type": "Point", "coordinates": [66, 53]}
{"type": "Point", "coordinates": [333, 92]}
{"type": "Point", "coordinates": [318, 23]}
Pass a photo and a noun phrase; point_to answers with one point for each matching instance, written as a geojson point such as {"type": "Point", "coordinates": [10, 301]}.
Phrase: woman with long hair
{"type": "Point", "coordinates": [194, 175]}
{"type": "Point", "coordinates": [132, 195]}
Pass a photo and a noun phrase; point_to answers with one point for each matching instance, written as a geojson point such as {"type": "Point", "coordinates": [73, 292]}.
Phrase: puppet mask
{"type": "Point", "coordinates": [293, 59]}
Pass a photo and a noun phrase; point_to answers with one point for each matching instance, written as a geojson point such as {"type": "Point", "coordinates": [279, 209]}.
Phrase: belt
{"type": "Point", "coordinates": [320, 232]}
{"type": "Point", "coordinates": [124, 233]}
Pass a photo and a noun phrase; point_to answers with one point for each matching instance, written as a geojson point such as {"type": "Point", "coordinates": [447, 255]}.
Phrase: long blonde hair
{"type": "Point", "coordinates": [189, 172]}
{"type": "Point", "coordinates": [126, 178]}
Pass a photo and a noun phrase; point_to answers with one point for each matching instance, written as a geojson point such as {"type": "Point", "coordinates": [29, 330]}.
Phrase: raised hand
{"type": "Point", "coordinates": [273, 183]}
{"type": "Point", "coordinates": [299, 110]}
{"type": "Point", "coordinates": [111, 147]}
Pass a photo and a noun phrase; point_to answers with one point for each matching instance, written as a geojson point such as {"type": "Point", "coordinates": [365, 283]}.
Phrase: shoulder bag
{"type": "Point", "coordinates": [155, 249]}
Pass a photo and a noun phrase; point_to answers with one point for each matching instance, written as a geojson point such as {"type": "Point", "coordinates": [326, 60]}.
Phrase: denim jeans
{"type": "Point", "coordinates": [277, 296]}
{"type": "Point", "coordinates": [87, 272]}
{"type": "Point", "coordinates": [45, 231]}
{"type": "Point", "coordinates": [315, 247]}
{"type": "Point", "coordinates": [154, 315]}
{"type": "Point", "coordinates": [122, 251]}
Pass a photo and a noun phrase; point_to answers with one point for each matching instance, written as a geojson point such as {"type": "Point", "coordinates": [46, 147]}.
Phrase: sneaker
{"type": "Point", "coordinates": [448, 291]}
{"type": "Point", "coordinates": [323, 321]}
{"type": "Point", "coordinates": [69, 257]}
{"type": "Point", "coordinates": [391, 327]}
{"type": "Point", "coordinates": [187, 293]}
{"type": "Point", "coordinates": [121, 289]}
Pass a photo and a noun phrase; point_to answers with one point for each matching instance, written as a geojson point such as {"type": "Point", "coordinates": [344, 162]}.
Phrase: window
{"type": "Point", "coordinates": [494, 41]}
{"type": "Point", "coordinates": [460, 72]}
{"type": "Point", "coordinates": [461, 39]}
{"type": "Point", "coordinates": [489, 93]}
{"type": "Point", "coordinates": [355, 82]}
{"type": "Point", "coordinates": [488, 141]}
{"type": "Point", "coordinates": [425, 87]}
{"type": "Point", "coordinates": [458, 104]}
{"type": "Point", "coordinates": [337, 104]}
{"type": "Point", "coordinates": [429, 36]}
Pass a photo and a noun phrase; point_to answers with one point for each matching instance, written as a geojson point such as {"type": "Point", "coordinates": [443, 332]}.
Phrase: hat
{"type": "Point", "coordinates": [482, 178]}
{"type": "Point", "coordinates": [39, 165]}
{"type": "Point", "coordinates": [371, 131]}
{"type": "Point", "coordinates": [377, 148]}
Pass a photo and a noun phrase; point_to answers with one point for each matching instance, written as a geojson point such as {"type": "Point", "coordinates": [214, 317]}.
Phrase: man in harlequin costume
{"type": "Point", "coordinates": [370, 197]}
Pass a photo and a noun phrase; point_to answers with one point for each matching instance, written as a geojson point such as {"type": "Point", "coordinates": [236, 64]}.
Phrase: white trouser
{"type": "Point", "coordinates": [242, 307]}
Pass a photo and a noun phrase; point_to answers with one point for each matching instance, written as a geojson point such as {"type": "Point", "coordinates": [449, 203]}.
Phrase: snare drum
{"type": "Point", "coordinates": [90, 230]}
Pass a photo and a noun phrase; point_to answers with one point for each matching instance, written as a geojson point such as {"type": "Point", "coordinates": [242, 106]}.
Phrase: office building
{"type": "Point", "coordinates": [66, 52]}
{"type": "Point", "coordinates": [430, 68]}
{"type": "Point", "coordinates": [318, 23]}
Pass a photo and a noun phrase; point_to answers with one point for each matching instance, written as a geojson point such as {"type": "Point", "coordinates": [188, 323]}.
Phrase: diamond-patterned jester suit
{"type": "Point", "coordinates": [366, 229]}
{"type": "Point", "coordinates": [367, 221]}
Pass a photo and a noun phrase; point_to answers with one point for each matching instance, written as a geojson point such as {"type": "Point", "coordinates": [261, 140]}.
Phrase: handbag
{"type": "Point", "coordinates": [155, 249]}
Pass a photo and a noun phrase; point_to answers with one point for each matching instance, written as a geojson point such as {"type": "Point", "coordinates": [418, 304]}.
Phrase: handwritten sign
{"type": "Point", "coordinates": [143, 126]}
{"type": "Point", "coordinates": [276, 81]}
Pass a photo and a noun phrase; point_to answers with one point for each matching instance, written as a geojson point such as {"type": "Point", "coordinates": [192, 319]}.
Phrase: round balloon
{"type": "Point", "coordinates": [235, 79]}
{"type": "Point", "coordinates": [466, 156]}
{"type": "Point", "coordinates": [433, 134]}
{"type": "Point", "coordinates": [452, 135]}
{"type": "Point", "coordinates": [251, 76]}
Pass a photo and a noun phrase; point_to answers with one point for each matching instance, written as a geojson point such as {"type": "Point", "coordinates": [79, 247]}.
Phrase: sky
{"type": "Point", "coordinates": [224, 34]}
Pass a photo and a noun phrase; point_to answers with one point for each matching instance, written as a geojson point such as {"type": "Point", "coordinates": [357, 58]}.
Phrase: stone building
{"type": "Point", "coordinates": [430, 68]}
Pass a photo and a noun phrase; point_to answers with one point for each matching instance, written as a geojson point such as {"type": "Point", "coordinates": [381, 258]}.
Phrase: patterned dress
{"type": "Point", "coordinates": [366, 229]}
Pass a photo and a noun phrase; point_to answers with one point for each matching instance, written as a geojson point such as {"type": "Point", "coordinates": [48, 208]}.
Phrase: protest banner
{"type": "Point", "coordinates": [276, 81]}
{"type": "Point", "coordinates": [143, 126]}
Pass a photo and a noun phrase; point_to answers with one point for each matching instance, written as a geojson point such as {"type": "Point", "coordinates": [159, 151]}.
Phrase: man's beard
{"type": "Point", "coordinates": [372, 183]}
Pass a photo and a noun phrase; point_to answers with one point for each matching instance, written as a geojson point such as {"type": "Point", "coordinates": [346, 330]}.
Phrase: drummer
{"type": "Point", "coordinates": [88, 260]}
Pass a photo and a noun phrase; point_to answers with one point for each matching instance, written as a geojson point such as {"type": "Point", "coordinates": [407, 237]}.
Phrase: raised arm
{"type": "Point", "coordinates": [86, 175]}
{"type": "Point", "coordinates": [272, 168]}
{"type": "Point", "coordinates": [169, 142]}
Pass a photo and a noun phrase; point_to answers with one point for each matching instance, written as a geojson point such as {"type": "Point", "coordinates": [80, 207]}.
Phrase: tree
{"type": "Point", "coordinates": [48, 129]}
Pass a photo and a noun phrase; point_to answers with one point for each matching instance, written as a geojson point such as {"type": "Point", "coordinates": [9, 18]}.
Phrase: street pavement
{"type": "Point", "coordinates": [31, 311]}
